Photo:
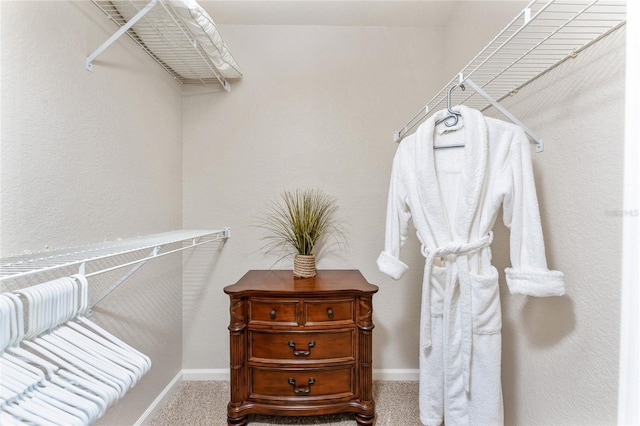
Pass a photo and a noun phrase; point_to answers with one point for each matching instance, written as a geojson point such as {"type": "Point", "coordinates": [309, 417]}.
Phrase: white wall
{"type": "Point", "coordinates": [560, 363]}
{"type": "Point", "coordinates": [77, 144]}
{"type": "Point", "coordinates": [317, 108]}
{"type": "Point", "coordinates": [471, 26]}
{"type": "Point", "coordinates": [89, 156]}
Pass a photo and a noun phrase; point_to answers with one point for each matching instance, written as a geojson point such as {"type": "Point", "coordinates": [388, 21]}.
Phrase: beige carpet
{"type": "Point", "coordinates": [205, 403]}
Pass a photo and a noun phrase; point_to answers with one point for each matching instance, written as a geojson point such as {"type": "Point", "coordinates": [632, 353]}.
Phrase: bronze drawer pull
{"type": "Point", "coordinates": [272, 314]}
{"type": "Point", "coordinates": [304, 391]}
{"type": "Point", "coordinates": [292, 345]}
{"type": "Point", "coordinates": [330, 313]}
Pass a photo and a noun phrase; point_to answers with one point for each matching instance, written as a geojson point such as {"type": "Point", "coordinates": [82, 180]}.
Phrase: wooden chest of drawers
{"type": "Point", "coordinates": [301, 346]}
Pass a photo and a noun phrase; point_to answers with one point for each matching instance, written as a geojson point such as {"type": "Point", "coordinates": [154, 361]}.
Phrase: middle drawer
{"type": "Point", "coordinates": [272, 346]}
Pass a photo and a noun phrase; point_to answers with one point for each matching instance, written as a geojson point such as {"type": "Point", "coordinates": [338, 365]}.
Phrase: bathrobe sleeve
{"type": "Point", "coordinates": [398, 215]}
{"type": "Point", "coordinates": [528, 273]}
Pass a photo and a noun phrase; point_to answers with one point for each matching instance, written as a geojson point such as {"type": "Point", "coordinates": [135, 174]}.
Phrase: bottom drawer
{"type": "Point", "coordinates": [298, 384]}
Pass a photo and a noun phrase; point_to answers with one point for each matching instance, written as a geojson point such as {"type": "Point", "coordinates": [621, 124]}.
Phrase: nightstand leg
{"type": "Point", "coordinates": [238, 421]}
{"type": "Point", "coordinates": [237, 370]}
{"type": "Point", "coordinates": [364, 420]}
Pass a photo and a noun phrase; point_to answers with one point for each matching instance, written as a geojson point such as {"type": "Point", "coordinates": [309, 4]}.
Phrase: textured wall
{"type": "Point", "coordinates": [560, 355]}
{"type": "Point", "coordinates": [470, 27]}
{"type": "Point", "coordinates": [83, 150]}
{"type": "Point", "coordinates": [89, 156]}
{"type": "Point", "coordinates": [317, 108]}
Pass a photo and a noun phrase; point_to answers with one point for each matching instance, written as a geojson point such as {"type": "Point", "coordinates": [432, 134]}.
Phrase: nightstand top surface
{"type": "Point", "coordinates": [282, 281]}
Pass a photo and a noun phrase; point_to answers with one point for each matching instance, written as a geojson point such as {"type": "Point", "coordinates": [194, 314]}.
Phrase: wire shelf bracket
{"type": "Point", "coordinates": [506, 113]}
{"type": "Point", "coordinates": [123, 29]}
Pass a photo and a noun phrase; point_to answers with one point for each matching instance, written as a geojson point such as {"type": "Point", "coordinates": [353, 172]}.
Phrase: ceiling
{"type": "Point", "coordinates": [331, 12]}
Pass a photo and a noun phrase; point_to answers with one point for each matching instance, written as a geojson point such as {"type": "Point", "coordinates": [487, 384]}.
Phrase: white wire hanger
{"type": "Point", "coordinates": [452, 114]}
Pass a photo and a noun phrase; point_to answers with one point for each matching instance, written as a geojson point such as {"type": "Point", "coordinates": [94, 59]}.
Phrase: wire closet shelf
{"type": "Point", "coordinates": [543, 35]}
{"type": "Point", "coordinates": [163, 36]}
{"type": "Point", "coordinates": [21, 266]}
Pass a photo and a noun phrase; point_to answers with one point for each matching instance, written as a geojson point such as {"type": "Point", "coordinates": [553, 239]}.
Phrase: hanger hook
{"type": "Point", "coordinates": [449, 98]}
{"type": "Point", "coordinates": [453, 114]}
{"type": "Point", "coordinates": [461, 85]}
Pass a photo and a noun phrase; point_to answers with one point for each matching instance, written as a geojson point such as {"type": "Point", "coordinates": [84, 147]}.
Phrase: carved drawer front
{"type": "Point", "coordinates": [337, 346]}
{"type": "Point", "coordinates": [325, 312]}
{"type": "Point", "coordinates": [302, 384]}
{"type": "Point", "coordinates": [273, 311]}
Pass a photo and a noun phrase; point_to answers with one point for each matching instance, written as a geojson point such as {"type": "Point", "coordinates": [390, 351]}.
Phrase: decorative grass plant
{"type": "Point", "coordinates": [297, 222]}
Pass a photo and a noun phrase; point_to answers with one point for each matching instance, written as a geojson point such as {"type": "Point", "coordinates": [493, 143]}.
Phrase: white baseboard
{"type": "Point", "coordinates": [396, 374]}
{"type": "Point", "coordinates": [194, 374]}
{"type": "Point", "coordinates": [223, 374]}
{"type": "Point", "coordinates": [159, 402]}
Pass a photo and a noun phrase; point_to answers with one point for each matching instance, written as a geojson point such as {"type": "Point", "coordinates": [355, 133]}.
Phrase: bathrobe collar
{"type": "Point", "coordinates": [471, 183]}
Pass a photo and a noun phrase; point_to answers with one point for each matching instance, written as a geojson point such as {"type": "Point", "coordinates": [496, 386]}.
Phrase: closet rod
{"type": "Point", "coordinates": [154, 255]}
{"type": "Point", "coordinates": [21, 266]}
{"type": "Point", "coordinates": [542, 36]}
{"type": "Point", "coordinates": [137, 264]}
{"type": "Point", "coordinates": [572, 55]}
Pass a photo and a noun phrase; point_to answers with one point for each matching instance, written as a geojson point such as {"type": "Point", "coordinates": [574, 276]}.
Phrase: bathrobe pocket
{"type": "Point", "coordinates": [438, 284]}
{"type": "Point", "coordinates": [485, 303]}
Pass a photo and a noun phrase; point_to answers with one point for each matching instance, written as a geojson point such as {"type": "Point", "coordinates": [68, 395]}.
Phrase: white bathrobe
{"type": "Point", "coordinates": [453, 196]}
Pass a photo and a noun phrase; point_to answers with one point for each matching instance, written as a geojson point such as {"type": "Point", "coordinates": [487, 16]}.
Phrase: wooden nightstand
{"type": "Point", "coordinates": [301, 347]}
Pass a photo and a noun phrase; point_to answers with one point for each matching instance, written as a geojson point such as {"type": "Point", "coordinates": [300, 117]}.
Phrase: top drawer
{"type": "Point", "coordinates": [325, 312]}
{"type": "Point", "coordinates": [274, 312]}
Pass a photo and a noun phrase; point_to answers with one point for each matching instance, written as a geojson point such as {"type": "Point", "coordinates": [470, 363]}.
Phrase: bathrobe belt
{"type": "Point", "coordinates": [460, 251]}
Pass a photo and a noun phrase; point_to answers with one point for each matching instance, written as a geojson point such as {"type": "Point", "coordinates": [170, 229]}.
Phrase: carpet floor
{"type": "Point", "coordinates": [205, 403]}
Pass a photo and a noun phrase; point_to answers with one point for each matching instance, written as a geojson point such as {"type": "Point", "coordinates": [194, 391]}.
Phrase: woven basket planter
{"type": "Point", "coordinates": [304, 266]}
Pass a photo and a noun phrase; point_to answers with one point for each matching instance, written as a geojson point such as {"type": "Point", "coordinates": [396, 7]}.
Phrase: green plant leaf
{"type": "Point", "coordinates": [299, 220]}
